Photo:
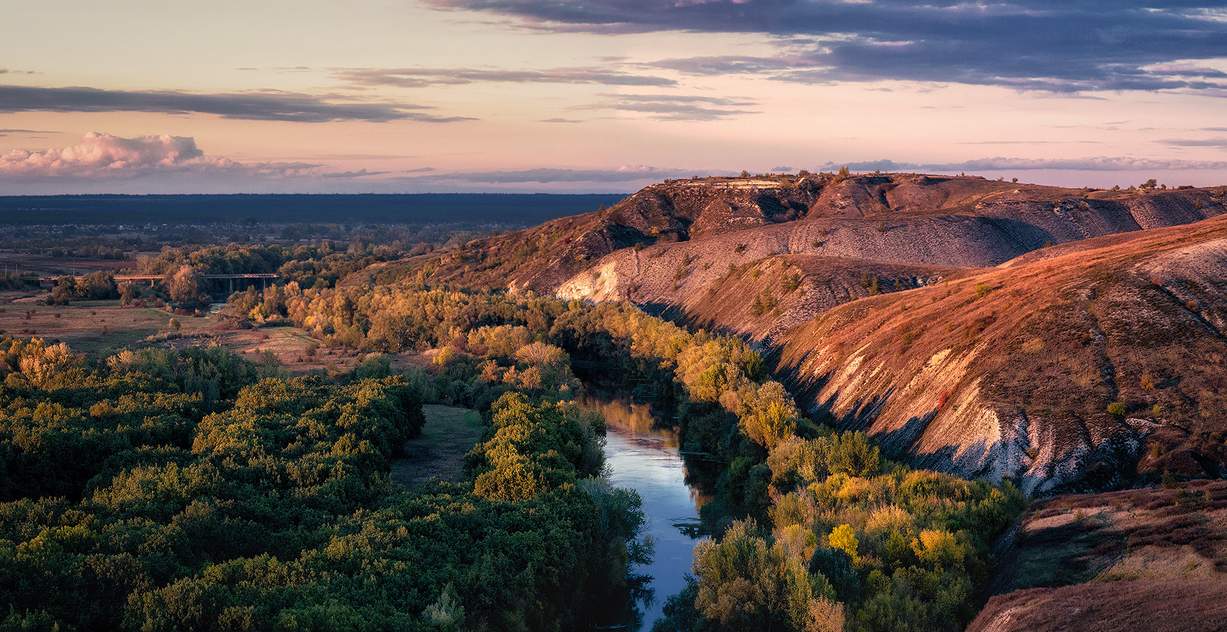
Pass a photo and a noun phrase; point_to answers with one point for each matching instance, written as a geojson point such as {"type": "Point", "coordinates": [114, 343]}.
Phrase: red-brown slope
{"type": "Point", "coordinates": [899, 218]}
{"type": "Point", "coordinates": [1053, 372]}
{"type": "Point", "coordinates": [1145, 560]}
{"type": "Point", "coordinates": [763, 299]}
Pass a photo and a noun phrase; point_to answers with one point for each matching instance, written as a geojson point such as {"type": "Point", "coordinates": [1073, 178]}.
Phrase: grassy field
{"type": "Point", "coordinates": [26, 264]}
{"type": "Point", "coordinates": [100, 328]}
{"type": "Point", "coordinates": [438, 454]}
{"type": "Point", "coordinates": [94, 327]}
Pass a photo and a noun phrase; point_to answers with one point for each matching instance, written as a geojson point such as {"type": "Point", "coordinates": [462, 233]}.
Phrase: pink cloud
{"type": "Point", "coordinates": [101, 155]}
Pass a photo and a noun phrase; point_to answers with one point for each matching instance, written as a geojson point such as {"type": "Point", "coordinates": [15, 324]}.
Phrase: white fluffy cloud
{"type": "Point", "coordinates": [101, 155]}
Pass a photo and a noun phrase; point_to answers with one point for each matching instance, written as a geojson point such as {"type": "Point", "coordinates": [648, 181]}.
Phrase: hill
{"type": "Point", "coordinates": [896, 219]}
{"type": "Point", "coordinates": [1057, 371]}
{"type": "Point", "coordinates": [668, 243]}
{"type": "Point", "coordinates": [988, 328]}
{"type": "Point", "coordinates": [1113, 561]}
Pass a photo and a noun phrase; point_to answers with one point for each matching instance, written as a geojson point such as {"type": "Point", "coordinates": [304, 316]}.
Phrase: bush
{"type": "Point", "coordinates": [744, 582]}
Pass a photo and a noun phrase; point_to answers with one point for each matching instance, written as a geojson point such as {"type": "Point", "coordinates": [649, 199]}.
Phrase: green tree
{"type": "Point", "coordinates": [745, 583]}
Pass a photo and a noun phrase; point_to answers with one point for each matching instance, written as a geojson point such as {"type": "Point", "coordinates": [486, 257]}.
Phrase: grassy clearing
{"type": "Point", "coordinates": [438, 454]}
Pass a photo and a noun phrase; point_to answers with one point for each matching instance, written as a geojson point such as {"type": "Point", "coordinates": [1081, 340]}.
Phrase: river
{"type": "Point", "coordinates": [644, 458]}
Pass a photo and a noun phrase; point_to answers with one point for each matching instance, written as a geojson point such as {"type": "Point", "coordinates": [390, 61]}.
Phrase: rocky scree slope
{"type": "Point", "coordinates": [1084, 369]}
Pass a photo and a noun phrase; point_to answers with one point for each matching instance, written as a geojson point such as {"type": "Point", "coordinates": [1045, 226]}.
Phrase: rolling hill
{"type": "Point", "coordinates": [1065, 338]}
{"type": "Point", "coordinates": [1057, 371]}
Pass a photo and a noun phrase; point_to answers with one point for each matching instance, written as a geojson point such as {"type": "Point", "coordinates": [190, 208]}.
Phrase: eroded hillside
{"type": "Point", "coordinates": [899, 220]}
{"type": "Point", "coordinates": [764, 299]}
{"type": "Point", "coordinates": [1054, 335]}
{"type": "Point", "coordinates": [1148, 560]}
{"type": "Point", "coordinates": [1059, 371]}
{"type": "Point", "coordinates": [670, 241]}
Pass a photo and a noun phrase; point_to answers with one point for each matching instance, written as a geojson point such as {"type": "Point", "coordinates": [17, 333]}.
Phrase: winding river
{"type": "Point", "coordinates": [644, 458]}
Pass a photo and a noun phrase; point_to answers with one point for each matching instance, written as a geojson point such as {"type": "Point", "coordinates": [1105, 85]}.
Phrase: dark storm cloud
{"type": "Point", "coordinates": [670, 107]}
{"type": "Point", "coordinates": [262, 106]}
{"type": "Point", "coordinates": [1048, 45]}
{"type": "Point", "coordinates": [420, 77]}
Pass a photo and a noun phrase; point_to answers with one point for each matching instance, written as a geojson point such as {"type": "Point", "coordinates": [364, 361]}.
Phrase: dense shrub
{"type": "Point", "coordinates": [179, 491]}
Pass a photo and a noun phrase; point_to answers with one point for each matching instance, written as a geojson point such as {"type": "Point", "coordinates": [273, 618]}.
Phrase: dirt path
{"type": "Point", "coordinates": [438, 454]}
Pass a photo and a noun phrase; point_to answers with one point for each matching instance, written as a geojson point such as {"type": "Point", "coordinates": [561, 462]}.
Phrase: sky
{"type": "Point", "coordinates": [602, 95]}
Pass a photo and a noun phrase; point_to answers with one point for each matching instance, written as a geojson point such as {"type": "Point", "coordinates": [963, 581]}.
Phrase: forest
{"type": "Point", "coordinates": [853, 540]}
{"type": "Point", "coordinates": [164, 490]}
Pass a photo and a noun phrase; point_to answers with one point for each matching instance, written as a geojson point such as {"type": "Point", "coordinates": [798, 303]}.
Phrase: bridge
{"type": "Point", "coordinates": [128, 278]}
{"type": "Point", "coordinates": [263, 277]}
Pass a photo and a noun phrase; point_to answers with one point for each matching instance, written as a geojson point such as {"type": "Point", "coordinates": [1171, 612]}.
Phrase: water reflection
{"type": "Point", "coordinates": [643, 457]}
{"type": "Point", "coordinates": [631, 417]}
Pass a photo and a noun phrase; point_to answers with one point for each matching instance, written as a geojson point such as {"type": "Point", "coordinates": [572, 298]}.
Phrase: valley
{"type": "Point", "coordinates": [971, 401]}
{"type": "Point", "coordinates": [613, 316]}
{"type": "Point", "coordinates": [958, 373]}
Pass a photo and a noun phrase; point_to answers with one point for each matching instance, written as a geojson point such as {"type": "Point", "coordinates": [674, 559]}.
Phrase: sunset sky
{"type": "Point", "coordinates": [602, 96]}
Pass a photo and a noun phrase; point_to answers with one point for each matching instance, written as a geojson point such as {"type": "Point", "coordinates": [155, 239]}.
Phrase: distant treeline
{"type": "Point", "coordinates": [422, 208]}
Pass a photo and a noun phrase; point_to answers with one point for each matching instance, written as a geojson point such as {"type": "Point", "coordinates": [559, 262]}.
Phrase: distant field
{"type": "Point", "coordinates": [25, 264]}
{"type": "Point", "coordinates": [427, 208]}
{"type": "Point", "coordinates": [94, 327]}
{"type": "Point", "coordinates": [100, 328]}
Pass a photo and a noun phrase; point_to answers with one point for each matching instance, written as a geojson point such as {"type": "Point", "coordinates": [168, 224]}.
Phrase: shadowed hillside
{"type": "Point", "coordinates": [765, 299]}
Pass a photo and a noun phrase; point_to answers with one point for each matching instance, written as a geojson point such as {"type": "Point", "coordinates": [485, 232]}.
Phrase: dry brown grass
{"type": "Point", "coordinates": [1055, 339]}
{"type": "Point", "coordinates": [1113, 561]}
